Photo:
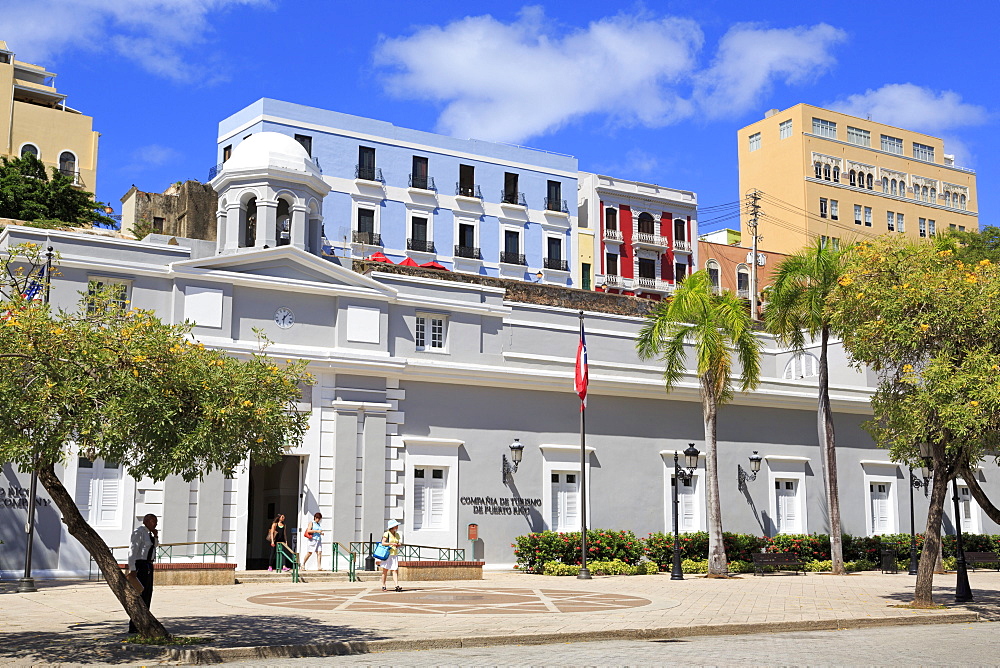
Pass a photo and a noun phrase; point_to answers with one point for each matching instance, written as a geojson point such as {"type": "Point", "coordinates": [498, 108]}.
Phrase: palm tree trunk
{"type": "Point", "coordinates": [78, 527]}
{"type": "Point", "coordinates": [717, 565]}
{"type": "Point", "coordinates": [828, 446]}
{"type": "Point", "coordinates": [923, 596]}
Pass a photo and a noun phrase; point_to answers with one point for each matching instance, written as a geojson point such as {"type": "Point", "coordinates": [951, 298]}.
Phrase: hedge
{"type": "Point", "coordinates": [533, 551]}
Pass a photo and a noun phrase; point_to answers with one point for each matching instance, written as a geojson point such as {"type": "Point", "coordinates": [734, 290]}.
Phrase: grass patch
{"type": "Point", "coordinates": [169, 640]}
{"type": "Point", "coordinates": [910, 606]}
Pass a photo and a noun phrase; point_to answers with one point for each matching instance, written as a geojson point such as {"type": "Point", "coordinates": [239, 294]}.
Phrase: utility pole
{"type": "Point", "coordinates": [753, 198]}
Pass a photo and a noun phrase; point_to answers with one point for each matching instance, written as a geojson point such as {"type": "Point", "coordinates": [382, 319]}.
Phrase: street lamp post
{"type": "Point", "coordinates": [26, 585]}
{"type": "Point", "coordinates": [963, 592]}
{"type": "Point", "coordinates": [681, 475]}
{"type": "Point", "coordinates": [914, 484]}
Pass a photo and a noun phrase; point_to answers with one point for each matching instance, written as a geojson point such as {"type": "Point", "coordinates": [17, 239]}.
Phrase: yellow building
{"type": "Point", "coordinates": [825, 174]}
{"type": "Point", "coordinates": [34, 118]}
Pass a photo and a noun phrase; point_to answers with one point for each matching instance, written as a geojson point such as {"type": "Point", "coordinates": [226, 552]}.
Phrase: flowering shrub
{"type": "Point", "coordinates": [533, 550]}
{"type": "Point", "coordinates": [739, 546]}
{"type": "Point", "coordinates": [807, 547]}
{"type": "Point", "coordinates": [614, 567]}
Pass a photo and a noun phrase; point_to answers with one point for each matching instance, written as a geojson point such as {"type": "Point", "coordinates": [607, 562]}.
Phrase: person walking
{"type": "Point", "coordinates": [276, 536]}
{"type": "Point", "coordinates": [393, 540]}
{"type": "Point", "coordinates": [142, 554]}
{"type": "Point", "coordinates": [314, 537]}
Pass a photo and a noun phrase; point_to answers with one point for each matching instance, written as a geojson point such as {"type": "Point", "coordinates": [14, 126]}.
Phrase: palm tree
{"type": "Point", "coordinates": [717, 327]}
{"type": "Point", "coordinates": [797, 306]}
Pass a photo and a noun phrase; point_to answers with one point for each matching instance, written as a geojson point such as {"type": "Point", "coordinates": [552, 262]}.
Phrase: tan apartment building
{"type": "Point", "coordinates": [825, 174]}
{"type": "Point", "coordinates": [34, 118]}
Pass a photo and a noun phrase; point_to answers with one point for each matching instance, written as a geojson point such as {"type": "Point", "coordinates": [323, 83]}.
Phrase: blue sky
{"type": "Point", "coordinates": [649, 91]}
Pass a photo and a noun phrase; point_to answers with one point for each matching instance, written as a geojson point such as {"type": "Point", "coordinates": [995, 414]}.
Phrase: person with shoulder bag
{"type": "Point", "coordinates": [276, 535]}
{"type": "Point", "coordinates": [393, 540]}
{"type": "Point", "coordinates": [141, 556]}
{"type": "Point", "coordinates": [314, 541]}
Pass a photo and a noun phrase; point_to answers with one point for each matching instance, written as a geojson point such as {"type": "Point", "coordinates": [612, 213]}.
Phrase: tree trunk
{"type": "Point", "coordinates": [78, 527]}
{"type": "Point", "coordinates": [828, 447]}
{"type": "Point", "coordinates": [980, 496]}
{"type": "Point", "coordinates": [923, 596]}
{"type": "Point", "coordinates": [717, 565]}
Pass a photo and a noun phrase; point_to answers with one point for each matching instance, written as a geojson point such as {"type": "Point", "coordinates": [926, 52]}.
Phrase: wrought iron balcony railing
{"type": "Point", "coordinates": [468, 190]}
{"type": "Point", "coordinates": [513, 197]}
{"type": "Point", "coordinates": [468, 252]}
{"type": "Point", "coordinates": [553, 204]}
{"type": "Point", "coordinates": [366, 173]}
{"type": "Point", "coordinates": [422, 182]}
{"type": "Point", "coordinates": [554, 263]}
{"type": "Point", "coordinates": [368, 238]}
{"type": "Point", "coordinates": [513, 258]}
{"type": "Point", "coordinates": [421, 245]}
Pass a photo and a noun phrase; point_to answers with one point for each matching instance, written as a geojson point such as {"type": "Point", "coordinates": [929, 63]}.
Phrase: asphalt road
{"type": "Point", "coordinates": [933, 645]}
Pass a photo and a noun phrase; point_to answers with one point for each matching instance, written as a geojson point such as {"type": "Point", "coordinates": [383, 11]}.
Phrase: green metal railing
{"type": "Point", "coordinates": [341, 552]}
{"type": "Point", "coordinates": [363, 549]}
{"type": "Point", "coordinates": [285, 554]}
{"type": "Point", "coordinates": [168, 552]}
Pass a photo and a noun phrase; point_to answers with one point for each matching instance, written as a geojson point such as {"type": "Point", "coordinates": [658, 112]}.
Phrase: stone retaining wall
{"type": "Point", "coordinates": [192, 574]}
{"type": "Point", "coordinates": [410, 571]}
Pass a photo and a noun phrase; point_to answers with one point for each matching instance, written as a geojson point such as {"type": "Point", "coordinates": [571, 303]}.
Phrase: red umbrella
{"type": "Point", "coordinates": [408, 262]}
{"type": "Point", "coordinates": [379, 257]}
{"type": "Point", "coordinates": [434, 265]}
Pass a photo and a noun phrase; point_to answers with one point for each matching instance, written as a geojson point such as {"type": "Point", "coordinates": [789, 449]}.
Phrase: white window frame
{"type": "Point", "coordinates": [857, 214]}
{"type": "Point", "coordinates": [923, 152]}
{"type": "Point", "coordinates": [754, 142]}
{"type": "Point", "coordinates": [900, 223]}
{"type": "Point", "coordinates": [931, 227]}
{"type": "Point", "coordinates": [824, 128]}
{"type": "Point", "coordinates": [425, 522]}
{"type": "Point", "coordinates": [785, 129]}
{"type": "Point", "coordinates": [20, 149]}
{"type": "Point", "coordinates": [890, 144]}
{"type": "Point", "coordinates": [868, 216]}
{"type": "Point", "coordinates": [823, 207]}
{"type": "Point", "coordinates": [112, 280]}
{"type": "Point", "coordinates": [441, 453]}
{"type": "Point", "coordinates": [370, 204]}
{"type": "Point", "coordinates": [459, 220]}
{"type": "Point", "coordinates": [882, 473]}
{"type": "Point", "coordinates": [126, 487]}
{"type": "Point", "coordinates": [859, 136]}
{"type": "Point", "coordinates": [701, 506]}
{"type": "Point", "coordinates": [512, 227]}
{"type": "Point", "coordinates": [975, 512]}
{"type": "Point", "coordinates": [563, 243]}
{"type": "Point", "coordinates": [922, 227]}
{"type": "Point", "coordinates": [834, 209]}
{"type": "Point", "coordinates": [798, 365]}
{"type": "Point", "coordinates": [428, 324]}
{"type": "Point", "coordinates": [561, 459]}
{"type": "Point", "coordinates": [428, 215]}
{"type": "Point", "coordinates": [786, 467]}
{"type": "Point", "coordinates": [890, 221]}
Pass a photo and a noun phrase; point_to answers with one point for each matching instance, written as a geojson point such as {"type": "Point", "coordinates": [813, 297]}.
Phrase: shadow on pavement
{"type": "Point", "coordinates": [97, 643]}
{"type": "Point", "coordinates": [986, 601]}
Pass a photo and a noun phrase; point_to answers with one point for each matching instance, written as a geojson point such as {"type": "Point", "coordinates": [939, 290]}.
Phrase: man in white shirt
{"type": "Point", "coordinates": [141, 557]}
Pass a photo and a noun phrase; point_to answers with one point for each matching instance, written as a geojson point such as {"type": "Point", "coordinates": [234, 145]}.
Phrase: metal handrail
{"type": "Point", "coordinates": [421, 245]}
{"type": "Point", "coordinates": [422, 183]}
{"type": "Point", "coordinates": [412, 552]}
{"type": "Point", "coordinates": [365, 173]}
{"type": "Point", "coordinates": [468, 191]}
{"type": "Point", "coordinates": [513, 197]}
{"type": "Point", "coordinates": [513, 258]}
{"type": "Point", "coordinates": [165, 553]}
{"type": "Point", "coordinates": [468, 252]}
{"type": "Point", "coordinates": [339, 551]}
{"type": "Point", "coordinates": [555, 204]}
{"type": "Point", "coordinates": [285, 553]}
{"type": "Point", "coordinates": [367, 238]}
{"type": "Point", "coordinates": [555, 263]}
{"type": "Point", "coordinates": [214, 171]}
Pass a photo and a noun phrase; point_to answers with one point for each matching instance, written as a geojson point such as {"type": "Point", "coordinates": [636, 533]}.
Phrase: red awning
{"type": "Point", "coordinates": [434, 265]}
{"type": "Point", "coordinates": [408, 262]}
{"type": "Point", "coordinates": [379, 257]}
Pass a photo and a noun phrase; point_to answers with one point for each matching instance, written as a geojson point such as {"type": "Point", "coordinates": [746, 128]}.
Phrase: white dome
{"type": "Point", "coordinates": [270, 150]}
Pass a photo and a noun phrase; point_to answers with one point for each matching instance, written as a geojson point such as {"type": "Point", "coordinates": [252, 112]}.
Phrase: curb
{"type": "Point", "coordinates": [340, 648]}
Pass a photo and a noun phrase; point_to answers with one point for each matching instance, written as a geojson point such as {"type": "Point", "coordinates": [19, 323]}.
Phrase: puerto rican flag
{"type": "Point", "coordinates": [581, 370]}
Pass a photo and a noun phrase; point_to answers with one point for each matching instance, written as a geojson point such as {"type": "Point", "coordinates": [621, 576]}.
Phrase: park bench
{"type": "Point", "coordinates": [973, 558]}
{"type": "Point", "coordinates": [777, 561]}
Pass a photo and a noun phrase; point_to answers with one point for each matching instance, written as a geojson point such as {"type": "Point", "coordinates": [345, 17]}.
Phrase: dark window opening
{"type": "Point", "coordinates": [307, 143]}
{"type": "Point", "coordinates": [510, 188]}
{"type": "Point", "coordinates": [611, 219]}
{"type": "Point", "coordinates": [419, 231]}
{"type": "Point", "coordinates": [366, 221]}
{"type": "Point", "coordinates": [646, 224]}
{"type": "Point", "coordinates": [418, 177]}
{"type": "Point", "coordinates": [612, 264]}
{"type": "Point", "coordinates": [680, 227]}
{"type": "Point", "coordinates": [366, 163]}
{"type": "Point", "coordinates": [554, 248]}
{"type": "Point", "coordinates": [158, 224]}
{"type": "Point", "coordinates": [647, 268]}
{"type": "Point", "coordinates": [227, 152]}
{"type": "Point", "coordinates": [466, 235]}
{"type": "Point", "coordinates": [680, 271]}
{"type": "Point", "coordinates": [467, 180]}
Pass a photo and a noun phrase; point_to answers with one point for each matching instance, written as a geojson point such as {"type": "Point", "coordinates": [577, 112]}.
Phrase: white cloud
{"type": "Point", "coordinates": [512, 81]}
{"type": "Point", "coordinates": [750, 59]}
{"type": "Point", "coordinates": [914, 108]}
{"type": "Point", "coordinates": [154, 33]}
{"type": "Point", "coordinates": [507, 82]}
{"type": "Point", "coordinates": [149, 156]}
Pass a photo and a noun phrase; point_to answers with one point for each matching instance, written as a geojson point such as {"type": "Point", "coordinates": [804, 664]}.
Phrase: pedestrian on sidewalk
{"type": "Point", "coordinates": [141, 556]}
{"type": "Point", "coordinates": [276, 536]}
{"type": "Point", "coordinates": [393, 540]}
{"type": "Point", "coordinates": [314, 537]}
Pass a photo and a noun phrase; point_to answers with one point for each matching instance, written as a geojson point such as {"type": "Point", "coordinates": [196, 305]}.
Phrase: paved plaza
{"type": "Point", "coordinates": [81, 622]}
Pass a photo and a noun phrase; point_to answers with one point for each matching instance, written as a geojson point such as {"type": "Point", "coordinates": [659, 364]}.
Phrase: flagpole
{"type": "Point", "coordinates": [26, 585]}
{"type": "Point", "coordinates": [584, 571]}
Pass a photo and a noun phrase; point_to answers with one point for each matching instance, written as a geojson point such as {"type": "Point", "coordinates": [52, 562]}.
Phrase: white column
{"type": "Point", "coordinates": [220, 231]}
{"type": "Point", "coordinates": [315, 234]}
{"type": "Point", "coordinates": [234, 218]}
{"type": "Point", "coordinates": [267, 222]}
{"type": "Point", "coordinates": [299, 222]}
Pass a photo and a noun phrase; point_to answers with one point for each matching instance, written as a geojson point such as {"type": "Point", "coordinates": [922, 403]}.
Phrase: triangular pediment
{"type": "Point", "coordinates": [280, 267]}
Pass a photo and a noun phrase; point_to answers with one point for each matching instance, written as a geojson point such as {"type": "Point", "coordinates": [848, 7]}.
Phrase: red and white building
{"type": "Point", "coordinates": [643, 234]}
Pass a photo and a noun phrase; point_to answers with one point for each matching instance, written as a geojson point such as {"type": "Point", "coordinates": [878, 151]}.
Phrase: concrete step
{"type": "Point", "coordinates": [258, 577]}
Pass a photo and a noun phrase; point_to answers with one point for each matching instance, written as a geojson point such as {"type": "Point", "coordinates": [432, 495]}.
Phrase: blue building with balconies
{"type": "Point", "coordinates": [470, 206]}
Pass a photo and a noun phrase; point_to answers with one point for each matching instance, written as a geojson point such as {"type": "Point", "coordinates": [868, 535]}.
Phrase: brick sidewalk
{"type": "Point", "coordinates": [61, 621]}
